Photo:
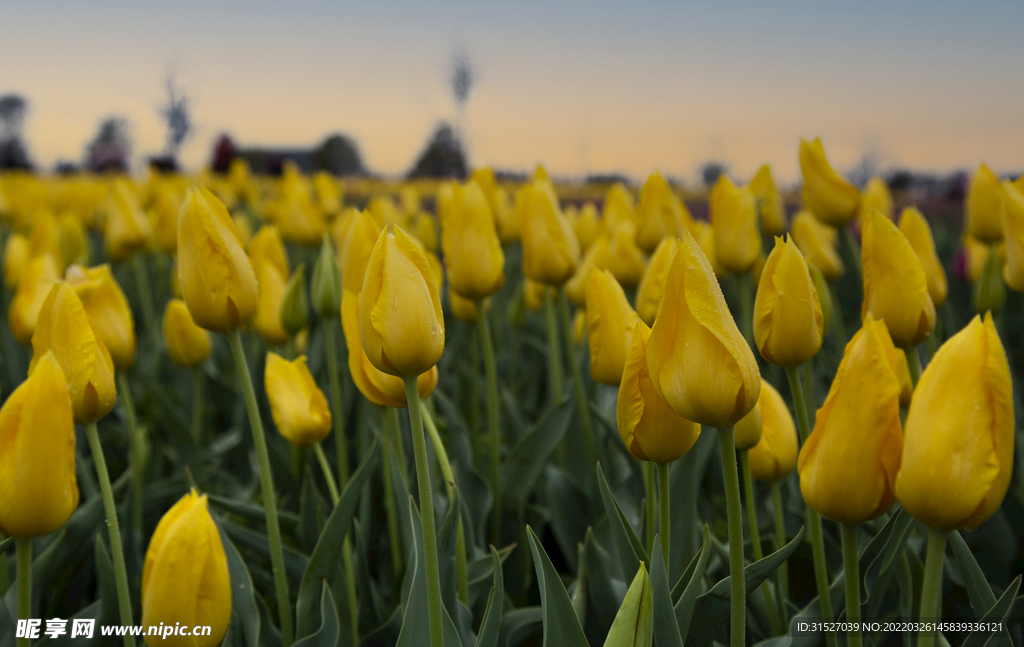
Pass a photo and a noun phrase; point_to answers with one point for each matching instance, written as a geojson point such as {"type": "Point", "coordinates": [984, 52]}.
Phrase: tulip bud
{"type": "Point", "coordinates": [875, 196]}
{"type": "Point", "coordinates": [217, 280]}
{"type": "Point", "coordinates": [127, 228]}
{"type": "Point", "coordinates": [989, 292]}
{"type": "Point", "coordinates": [848, 464]}
{"type": "Point", "coordinates": [267, 246]}
{"type": "Point", "coordinates": [619, 205]}
{"type": "Point", "coordinates": [550, 248]}
{"type": "Point", "coordinates": [245, 234]}
{"type": "Point", "coordinates": [164, 216]}
{"type": "Point", "coordinates": [626, 261]}
{"type": "Point", "coordinates": [895, 286]}
{"type": "Point", "coordinates": [301, 220]}
{"type": "Point", "coordinates": [295, 306]}
{"type": "Point", "coordinates": [355, 254]}
{"type": "Point", "coordinates": [772, 209]}
{"type": "Point", "coordinates": [187, 344]}
{"type": "Point", "coordinates": [378, 387]}
{"type": "Point", "coordinates": [587, 225]}
{"type": "Point", "coordinates": [533, 293]}
{"type": "Point", "coordinates": [185, 578]}
{"type": "Point", "coordinates": [37, 457]}
{"type": "Point", "coordinates": [649, 427]}
{"type": "Point", "coordinates": [610, 322]}
{"type": "Point", "coordinates": [958, 447]}
{"type": "Point", "coordinates": [472, 251]}
{"type": "Point", "coordinates": [595, 258]}
{"type": "Point", "coordinates": [328, 195]}
{"type": "Point", "coordinates": [652, 284]}
{"type": "Point", "coordinates": [298, 406]}
{"type": "Point", "coordinates": [409, 198]}
{"type": "Point", "coordinates": [705, 237]}
{"type": "Point", "coordinates": [698, 360]}
{"type": "Point", "coordinates": [750, 428]}
{"type": "Point", "coordinates": [326, 283]}
{"type": "Point", "coordinates": [915, 228]}
{"type": "Point", "coordinates": [774, 456]}
{"type": "Point", "coordinates": [660, 214]}
{"type": "Point", "coordinates": [462, 309]}
{"type": "Point", "coordinates": [34, 283]}
{"type": "Point", "coordinates": [64, 328]}
{"type": "Point", "coordinates": [1013, 226]}
{"type": "Point", "coordinates": [71, 242]}
{"type": "Point", "coordinates": [824, 293]}
{"type": "Point", "coordinates": [267, 321]}
{"type": "Point", "coordinates": [108, 310]}
{"type": "Point", "coordinates": [816, 243]}
{"type": "Point", "coordinates": [827, 194]}
{"type": "Point", "coordinates": [426, 230]}
{"type": "Point", "coordinates": [17, 250]}
{"type": "Point", "coordinates": [400, 316]}
{"type": "Point", "coordinates": [579, 325]}
{"type": "Point", "coordinates": [788, 321]}
{"type": "Point", "coordinates": [983, 208]}
{"type": "Point", "coordinates": [903, 375]}
{"type": "Point", "coordinates": [734, 219]}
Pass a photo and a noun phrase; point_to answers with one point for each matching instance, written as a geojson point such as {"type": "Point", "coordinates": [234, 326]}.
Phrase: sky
{"type": "Point", "coordinates": [580, 86]}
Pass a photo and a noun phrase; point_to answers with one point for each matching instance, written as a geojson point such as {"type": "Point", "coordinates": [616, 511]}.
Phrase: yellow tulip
{"type": "Point", "coordinates": [385, 211]}
{"type": "Point", "coordinates": [72, 243]}
{"type": "Point", "coordinates": [903, 375]}
{"type": "Point", "coordinates": [108, 310]}
{"type": "Point", "coordinates": [267, 246]}
{"type": "Point", "coordinates": [772, 207]}
{"type": "Point", "coordinates": [587, 225]}
{"type": "Point", "coordinates": [816, 242]}
{"type": "Point", "coordinates": [958, 448]}
{"type": "Point", "coordinates": [698, 359]}
{"type": "Point", "coordinates": [626, 261]}
{"type": "Point", "coordinates": [734, 219]}
{"type": "Point", "coordinates": [652, 284]}
{"type": "Point", "coordinates": [849, 463]}
{"type": "Point", "coordinates": [267, 321]}
{"type": "Point", "coordinates": [534, 293]}
{"type": "Point", "coordinates": [34, 283]}
{"type": "Point", "coordinates": [610, 323]}
{"type": "Point", "coordinates": [400, 316]}
{"type": "Point", "coordinates": [409, 198]}
{"type": "Point", "coordinates": [44, 236]}
{"type": "Point", "coordinates": [127, 228]}
{"type": "Point", "coordinates": [301, 220]}
{"type": "Point", "coordinates": [827, 195]}
{"type": "Point", "coordinates": [788, 322]}
{"type": "Point", "coordinates": [38, 491]}
{"type": "Point", "coordinates": [983, 207]}
{"type": "Point", "coordinates": [164, 217]}
{"type": "Point", "coordinates": [579, 325]}
{"type": "Point", "coordinates": [876, 196]}
{"type": "Point", "coordinates": [550, 248]}
{"type": "Point", "coordinates": [65, 330]}
{"type": "Point", "coordinates": [217, 281]}
{"type": "Point", "coordinates": [339, 229]}
{"type": "Point", "coordinates": [187, 344]}
{"type": "Point", "coordinates": [1013, 225]}
{"type": "Point", "coordinates": [426, 230]}
{"type": "Point", "coordinates": [328, 195]}
{"type": "Point", "coordinates": [1019, 183]}
{"type": "Point", "coordinates": [17, 251]}
{"type": "Point", "coordinates": [595, 258]}
{"type": "Point", "coordinates": [915, 228]}
{"type": "Point", "coordinates": [540, 173]}
{"type": "Point", "coordinates": [185, 578]}
{"type": "Point", "coordinates": [355, 252]}
{"type": "Point", "coordinates": [462, 309]}
{"type": "Point", "coordinates": [895, 285]}
{"type": "Point", "coordinates": [648, 426]}
{"type": "Point", "coordinates": [705, 237]}
{"type": "Point", "coordinates": [472, 251]}
{"type": "Point", "coordinates": [774, 456]}
{"type": "Point", "coordinates": [749, 429]}
{"type": "Point", "coordinates": [507, 217]}
{"type": "Point", "coordinates": [619, 205]}
{"type": "Point", "coordinates": [297, 404]}
{"type": "Point", "coordinates": [660, 214]}
{"type": "Point", "coordinates": [241, 224]}
{"type": "Point", "coordinates": [378, 387]}
{"type": "Point", "coordinates": [976, 255]}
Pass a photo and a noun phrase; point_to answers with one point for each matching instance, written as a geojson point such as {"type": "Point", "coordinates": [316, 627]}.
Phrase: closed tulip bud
{"type": "Point", "coordinates": [772, 208]}
{"type": "Point", "coordinates": [903, 375]}
{"type": "Point", "coordinates": [65, 330]}
{"type": "Point", "coordinates": [748, 431]}
{"type": "Point", "coordinates": [164, 217]}
{"type": "Point", "coordinates": [187, 344]}
{"type": "Point", "coordinates": [1013, 225]}
{"type": "Point", "coordinates": [301, 220]}
{"type": "Point", "coordinates": [895, 285]}
{"type": "Point", "coordinates": [295, 306]}
{"type": "Point", "coordinates": [217, 280]}
{"type": "Point", "coordinates": [849, 463]}
{"type": "Point", "coordinates": [71, 241]}
{"type": "Point", "coordinates": [619, 205]}
{"type": "Point", "coordinates": [698, 359]}
{"type": "Point", "coordinates": [915, 228]}
{"type": "Point", "coordinates": [788, 322]}
{"type": "Point", "coordinates": [267, 246]}
{"type": "Point", "coordinates": [325, 286]}
{"type": "Point", "coordinates": [649, 427]}
{"type": "Point", "coordinates": [298, 406]}
{"type": "Point", "coordinates": [409, 198]}
{"type": "Point", "coordinates": [550, 248]}
{"type": "Point", "coordinates": [774, 456]}
{"type": "Point", "coordinates": [37, 458]}
{"type": "Point", "coordinates": [127, 228]}
{"type": "Point", "coordinates": [426, 230]}
{"type": "Point", "coordinates": [378, 387]}
{"type": "Point", "coordinates": [652, 284]}
{"type": "Point", "coordinates": [328, 195]}
{"type": "Point", "coordinates": [540, 173]}
{"type": "Point", "coordinates": [34, 283]}
{"type": "Point", "coordinates": [660, 214]}
{"type": "Point", "coordinates": [587, 225]}
{"type": "Point", "coordinates": [827, 195]}
{"type": "Point", "coordinates": [734, 219]}
{"type": "Point", "coordinates": [533, 293]}
{"type": "Point", "coordinates": [507, 216]}
{"type": "Point", "coordinates": [579, 325]}
{"type": "Point", "coordinates": [462, 309]}
{"type": "Point", "coordinates": [355, 254]}
{"type": "Point", "coordinates": [816, 242]}
{"type": "Point", "coordinates": [705, 237]}
{"type": "Point", "coordinates": [958, 447]}
{"type": "Point", "coordinates": [108, 310]}
{"type": "Point", "coordinates": [1019, 184]}
{"type": "Point", "coordinates": [610, 323]}
{"type": "Point", "coordinates": [185, 578]}
{"type": "Point", "coordinates": [821, 288]}
{"type": "Point", "coordinates": [472, 251]}
{"type": "Point", "coordinates": [626, 261]}
{"type": "Point", "coordinates": [983, 208]}
{"type": "Point", "coordinates": [241, 225]}
{"type": "Point", "coordinates": [400, 316]}
{"type": "Point", "coordinates": [17, 250]}
{"type": "Point", "coordinates": [339, 230]}
{"type": "Point", "coordinates": [267, 321]}
{"type": "Point", "coordinates": [595, 258]}
{"type": "Point", "coordinates": [876, 196]}
{"type": "Point", "coordinates": [988, 294]}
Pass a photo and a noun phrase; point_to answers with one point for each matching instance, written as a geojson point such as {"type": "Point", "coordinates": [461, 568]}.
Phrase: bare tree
{"type": "Point", "coordinates": [12, 118]}
{"type": "Point", "coordinates": [176, 114]}
{"type": "Point", "coordinates": [111, 147]}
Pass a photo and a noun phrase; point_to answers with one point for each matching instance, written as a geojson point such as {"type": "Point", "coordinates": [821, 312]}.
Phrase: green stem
{"type": "Point", "coordinates": [389, 498]}
{"type": "Point", "coordinates": [338, 413]}
{"type": "Point", "coordinates": [145, 295]}
{"type": "Point", "coordinates": [124, 601]}
{"type": "Point", "coordinates": [137, 451]}
{"type": "Point", "coordinates": [914, 364]}
{"type": "Point", "coordinates": [838, 323]}
{"type": "Point", "coordinates": [346, 547]}
{"type": "Point", "coordinates": [198, 386]}
{"type": "Point", "coordinates": [663, 517]}
{"type": "Point", "coordinates": [738, 593]}
{"type": "Point", "coordinates": [809, 395]}
{"type": "Point", "coordinates": [931, 585]}
{"type": "Point", "coordinates": [799, 403]}
{"type": "Point", "coordinates": [780, 541]}
{"type": "Point", "coordinates": [755, 536]}
{"type": "Point", "coordinates": [493, 430]}
{"type": "Point", "coordinates": [23, 548]}
{"type": "Point", "coordinates": [851, 568]}
{"type": "Point", "coordinates": [325, 467]}
{"type": "Point", "coordinates": [746, 310]}
{"type": "Point", "coordinates": [267, 486]}
{"type": "Point", "coordinates": [554, 347]}
{"type": "Point", "coordinates": [434, 608]}
{"type": "Point", "coordinates": [854, 250]}
{"type": "Point", "coordinates": [647, 468]}
{"type": "Point", "coordinates": [577, 377]}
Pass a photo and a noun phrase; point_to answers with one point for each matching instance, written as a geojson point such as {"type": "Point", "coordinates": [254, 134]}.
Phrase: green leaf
{"type": "Point", "coordinates": [997, 613]}
{"type": "Point", "coordinates": [523, 466]}
{"type": "Point", "coordinates": [446, 536]}
{"type": "Point", "coordinates": [569, 512]}
{"type": "Point", "coordinates": [519, 624]}
{"type": "Point", "coordinates": [561, 628]}
{"type": "Point", "coordinates": [326, 561]}
{"type": "Point", "coordinates": [978, 590]}
{"type": "Point", "coordinates": [244, 629]}
{"type": "Point", "coordinates": [490, 626]}
{"type": "Point", "coordinates": [604, 590]}
{"type": "Point", "coordinates": [330, 629]}
{"type": "Point", "coordinates": [631, 551]}
{"type": "Point", "coordinates": [877, 558]}
{"type": "Point", "coordinates": [666, 628]}
{"type": "Point", "coordinates": [692, 577]}
{"type": "Point", "coordinates": [632, 626]}
{"type": "Point", "coordinates": [480, 573]}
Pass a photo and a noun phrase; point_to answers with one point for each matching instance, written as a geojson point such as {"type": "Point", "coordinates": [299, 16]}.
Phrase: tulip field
{"type": "Point", "coordinates": [305, 410]}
